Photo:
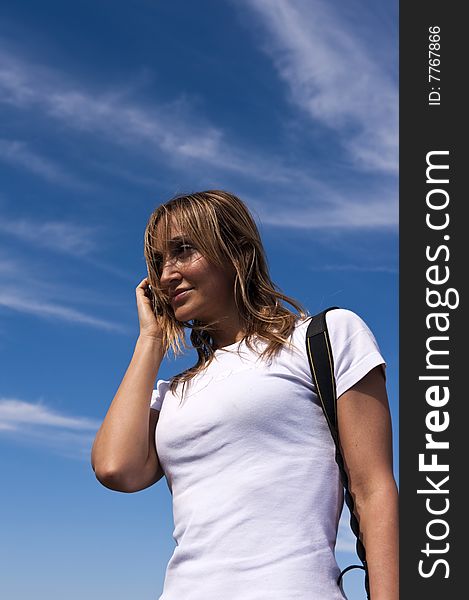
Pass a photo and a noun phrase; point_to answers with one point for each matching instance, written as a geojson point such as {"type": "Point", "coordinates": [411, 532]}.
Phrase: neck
{"type": "Point", "coordinates": [228, 334]}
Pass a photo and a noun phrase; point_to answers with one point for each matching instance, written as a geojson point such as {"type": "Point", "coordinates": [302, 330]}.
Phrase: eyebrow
{"type": "Point", "coordinates": [179, 238]}
{"type": "Point", "coordinates": [173, 241]}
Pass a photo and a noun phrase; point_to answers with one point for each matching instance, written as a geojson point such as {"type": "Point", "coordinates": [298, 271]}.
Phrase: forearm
{"type": "Point", "coordinates": [121, 446]}
{"type": "Point", "coordinates": [379, 527]}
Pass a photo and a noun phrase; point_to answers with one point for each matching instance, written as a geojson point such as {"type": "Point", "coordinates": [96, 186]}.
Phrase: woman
{"type": "Point", "coordinates": [240, 436]}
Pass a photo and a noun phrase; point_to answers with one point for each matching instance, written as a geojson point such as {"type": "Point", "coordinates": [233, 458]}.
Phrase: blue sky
{"type": "Point", "coordinates": [108, 109]}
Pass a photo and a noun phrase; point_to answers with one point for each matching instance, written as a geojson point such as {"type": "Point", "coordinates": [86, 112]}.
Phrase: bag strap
{"type": "Point", "coordinates": [321, 362]}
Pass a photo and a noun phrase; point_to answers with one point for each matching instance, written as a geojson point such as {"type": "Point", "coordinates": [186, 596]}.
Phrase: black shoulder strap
{"type": "Point", "coordinates": [321, 362]}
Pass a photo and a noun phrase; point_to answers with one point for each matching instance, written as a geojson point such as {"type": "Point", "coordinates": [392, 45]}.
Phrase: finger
{"type": "Point", "coordinates": [143, 283]}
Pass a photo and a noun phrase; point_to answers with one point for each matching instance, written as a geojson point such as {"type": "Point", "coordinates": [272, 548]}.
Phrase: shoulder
{"type": "Point", "coordinates": [348, 332]}
{"type": "Point", "coordinates": [344, 323]}
{"type": "Point", "coordinates": [341, 322]}
{"type": "Point", "coordinates": [355, 350]}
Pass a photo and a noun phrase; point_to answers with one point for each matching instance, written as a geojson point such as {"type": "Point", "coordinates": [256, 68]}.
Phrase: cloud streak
{"type": "Point", "coordinates": [15, 299]}
{"type": "Point", "coordinates": [14, 414]}
{"type": "Point", "coordinates": [37, 423]}
{"type": "Point", "coordinates": [170, 135]}
{"type": "Point", "coordinates": [64, 237]}
{"type": "Point", "coordinates": [329, 210]}
{"type": "Point", "coordinates": [29, 87]}
{"type": "Point", "coordinates": [167, 133]}
{"type": "Point", "coordinates": [28, 288]}
{"type": "Point", "coordinates": [18, 153]}
{"type": "Point", "coordinates": [333, 78]}
{"type": "Point", "coordinates": [357, 268]}
{"type": "Point", "coordinates": [68, 238]}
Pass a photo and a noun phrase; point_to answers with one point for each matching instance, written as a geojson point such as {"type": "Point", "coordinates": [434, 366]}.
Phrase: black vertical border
{"type": "Point", "coordinates": [425, 128]}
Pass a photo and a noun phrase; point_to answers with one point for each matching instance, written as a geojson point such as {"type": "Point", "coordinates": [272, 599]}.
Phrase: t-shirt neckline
{"type": "Point", "coordinates": [230, 346]}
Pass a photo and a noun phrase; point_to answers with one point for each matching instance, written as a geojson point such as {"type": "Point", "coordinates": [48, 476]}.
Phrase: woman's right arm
{"type": "Point", "coordinates": [124, 456]}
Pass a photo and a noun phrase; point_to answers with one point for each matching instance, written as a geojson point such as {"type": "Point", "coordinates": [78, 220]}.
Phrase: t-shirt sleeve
{"type": "Point", "coordinates": [354, 348]}
{"type": "Point", "coordinates": [157, 396]}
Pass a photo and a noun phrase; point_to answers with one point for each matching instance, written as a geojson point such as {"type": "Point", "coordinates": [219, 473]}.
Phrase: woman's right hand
{"type": "Point", "coordinates": [149, 322]}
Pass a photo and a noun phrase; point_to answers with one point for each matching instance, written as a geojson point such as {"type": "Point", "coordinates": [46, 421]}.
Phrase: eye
{"type": "Point", "coordinates": [178, 251]}
{"type": "Point", "coordinates": [183, 248]}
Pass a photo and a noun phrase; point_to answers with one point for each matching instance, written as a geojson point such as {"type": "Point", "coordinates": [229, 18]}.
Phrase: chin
{"type": "Point", "coordinates": [183, 314]}
{"type": "Point", "coordinates": [189, 315]}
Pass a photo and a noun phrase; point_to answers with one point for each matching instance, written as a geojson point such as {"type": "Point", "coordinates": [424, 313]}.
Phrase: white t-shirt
{"type": "Point", "coordinates": [249, 460]}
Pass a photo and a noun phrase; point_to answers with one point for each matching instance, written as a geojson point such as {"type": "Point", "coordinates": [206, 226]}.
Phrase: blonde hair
{"type": "Point", "coordinates": [224, 232]}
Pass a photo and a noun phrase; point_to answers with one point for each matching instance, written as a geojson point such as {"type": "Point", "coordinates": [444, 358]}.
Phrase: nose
{"type": "Point", "coordinates": [169, 273]}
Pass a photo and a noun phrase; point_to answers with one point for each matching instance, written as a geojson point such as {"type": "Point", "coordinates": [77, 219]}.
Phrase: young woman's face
{"type": "Point", "coordinates": [197, 289]}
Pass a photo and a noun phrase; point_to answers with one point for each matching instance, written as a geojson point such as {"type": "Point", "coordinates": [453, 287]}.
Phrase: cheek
{"type": "Point", "coordinates": [223, 285]}
{"type": "Point", "coordinates": [212, 279]}
{"type": "Point", "coordinates": [201, 271]}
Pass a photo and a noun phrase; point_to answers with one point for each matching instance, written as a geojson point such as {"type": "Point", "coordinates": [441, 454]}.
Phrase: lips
{"type": "Point", "coordinates": [179, 295]}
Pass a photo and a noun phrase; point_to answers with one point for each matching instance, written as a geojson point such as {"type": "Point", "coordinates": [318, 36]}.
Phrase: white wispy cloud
{"type": "Point", "coordinates": [39, 424]}
{"type": "Point", "coordinates": [331, 210]}
{"type": "Point", "coordinates": [110, 114]}
{"type": "Point", "coordinates": [168, 133]}
{"type": "Point", "coordinates": [66, 237]}
{"type": "Point", "coordinates": [177, 137]}
{"type": "Point", "coordinates": [21, 300]}
{"type": "Point", "coordinates": [8, 266]}
{"type": "Point", "coordinates": [357, 268]}
{"type": "Point", "coordinates": [29, 286]}
{"type": "Point", "coordinates": [333, 77]}
{"type": "Point", "coordinates": [16, 413]}
{"type": "Point", "coordinates": [19, 153]}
